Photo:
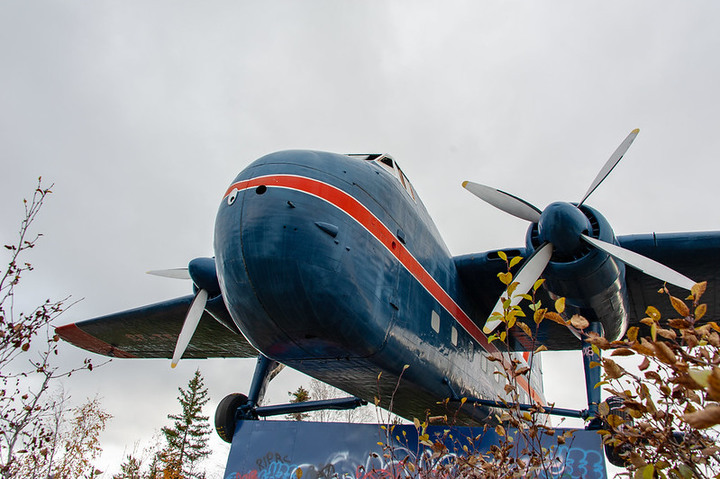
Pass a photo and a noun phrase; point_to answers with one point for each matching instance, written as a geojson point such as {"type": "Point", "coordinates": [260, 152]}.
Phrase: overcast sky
{"type": "Point", "coordinates": [142, 113]}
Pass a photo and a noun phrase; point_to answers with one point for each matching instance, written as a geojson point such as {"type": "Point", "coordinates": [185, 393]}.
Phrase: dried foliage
{"type": "Point", "coordinates": [524, 432]}
{"type": "Point", "coordinates": [662, 416]}
{"type": "Point", "coordinates": [71, 448]}
{"type": "Point", "coordinates": [28, 350]}
{"type": "Point", "coordinates": [669, 400]}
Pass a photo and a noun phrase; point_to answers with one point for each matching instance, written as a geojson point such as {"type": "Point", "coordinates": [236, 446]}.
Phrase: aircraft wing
{"type": "Point", "coordinates": [696, 255]}
{"type": "Point", "coordinates": [152, 331]}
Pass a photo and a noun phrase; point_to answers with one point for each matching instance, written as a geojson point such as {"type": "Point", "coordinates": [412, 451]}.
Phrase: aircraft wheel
{"type": "Point", "coordinates": [225, 415]}
{"type": "Point", "coordinates": [613, 453]}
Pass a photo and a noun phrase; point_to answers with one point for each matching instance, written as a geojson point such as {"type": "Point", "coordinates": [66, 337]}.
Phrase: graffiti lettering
{"type": "Point", "coordinates": [270, 458]}
{"type": "Point", "coordinates": [346, 456]}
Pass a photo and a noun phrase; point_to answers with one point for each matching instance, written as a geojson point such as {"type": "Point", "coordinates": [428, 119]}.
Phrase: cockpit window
{"type": "Point", "coordinates": [389, 164]}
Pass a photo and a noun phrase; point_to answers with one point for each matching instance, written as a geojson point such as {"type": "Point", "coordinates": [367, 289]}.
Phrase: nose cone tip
{"type": "Point", "coordinates": [562, 224]}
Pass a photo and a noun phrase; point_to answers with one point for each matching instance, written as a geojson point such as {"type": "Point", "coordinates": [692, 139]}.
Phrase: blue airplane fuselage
{"type": "Point", "coordinates": [331, 265]}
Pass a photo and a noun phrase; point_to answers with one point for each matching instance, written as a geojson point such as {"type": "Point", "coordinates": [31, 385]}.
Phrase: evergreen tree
{"type": "Point", "coordinates": [130, 469]}
{"type": "Point", "coordinates": [186, 440]}
{"type": "Point", "coordinates": [299, 395]}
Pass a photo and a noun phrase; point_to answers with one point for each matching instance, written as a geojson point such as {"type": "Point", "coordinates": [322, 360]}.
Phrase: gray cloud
{"type": "Point", "coordinates": [143, 112]}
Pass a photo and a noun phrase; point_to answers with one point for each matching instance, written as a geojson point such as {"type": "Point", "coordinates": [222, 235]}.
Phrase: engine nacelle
{"type": "Point", "coordinates": [591, 281]}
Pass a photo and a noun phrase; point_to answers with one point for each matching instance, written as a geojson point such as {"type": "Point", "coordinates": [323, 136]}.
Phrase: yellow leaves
{"type": "Point", "coordinates": [515, 261]}
{"type": "Point", "coordinates": [709, 380]}
{"type": "Point", "coordinates": [555, 317]}
{"type": "Point", "coordinates": [500, 431]}
{"type": "Point", "coordinates": [539, 315]}
{"type": "Point", "coordinates": [645, 472]}
{"type": "Point", "coordinates": [704, 418]}
{"type": "Point", "coordinates": [505, 278]}
{"type": "Point", "coordinates": [541, 349]}
{"type": "Point", "coordinates": [653, 313]}
{"type": "Point", "coordinates": [298, 473]}
{"type": "Point", "coordinates": [560, 305]}
{"type": "Point", "coordinates": [700, 311]}
{"type": "Point", "coordinates": [526, 329]}
{"type": "Point", "coordinates": [615, 421]}
{"type": "Point", "coordinates": [538, 283]}
{"type": "Point", "coordinates": [632, 334]}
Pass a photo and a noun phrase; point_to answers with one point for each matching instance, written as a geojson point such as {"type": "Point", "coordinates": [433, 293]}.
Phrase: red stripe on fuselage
{"type": "Point", "coordinates": [356, 210]}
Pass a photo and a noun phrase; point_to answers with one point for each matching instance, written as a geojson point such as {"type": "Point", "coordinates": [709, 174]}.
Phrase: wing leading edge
{"type": "Point", "coordinates": [151, 332]}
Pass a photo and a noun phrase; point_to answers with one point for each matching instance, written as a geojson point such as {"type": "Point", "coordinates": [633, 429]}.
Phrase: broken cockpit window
{"type": "Point", "coordinates": [387, 163]}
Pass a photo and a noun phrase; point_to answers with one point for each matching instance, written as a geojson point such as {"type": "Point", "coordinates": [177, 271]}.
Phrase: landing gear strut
{"type": "Point", "coordinates": [238, 407]}
{"type": "Point", "coordinates": [592, 378]}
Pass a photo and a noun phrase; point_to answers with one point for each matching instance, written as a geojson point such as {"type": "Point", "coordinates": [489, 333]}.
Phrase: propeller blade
{"type": "Point", "coordinates": [611, 163]}
{"type": "Point", "coordinates": [191, 321]}
{"type": "Point", "coordinates": [642, 263]}
{"type": "Point", "coordinates": [175, 273]}
{"type": "Point", "coordinates": [504, 201]}
{"type": "Point", "coordinates": [525, 277]}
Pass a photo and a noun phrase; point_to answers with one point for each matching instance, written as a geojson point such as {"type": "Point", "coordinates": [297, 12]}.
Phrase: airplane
{"type": "Point", "coordinates": [330, 264]}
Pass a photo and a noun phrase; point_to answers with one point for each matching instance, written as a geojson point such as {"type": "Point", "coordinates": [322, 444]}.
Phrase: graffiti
{"type": "Point", "coordinates": [300, 451]}
{"type": "Point", "coordinates": [270, 459]}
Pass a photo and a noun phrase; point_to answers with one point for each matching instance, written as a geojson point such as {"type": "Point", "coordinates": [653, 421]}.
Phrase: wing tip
{"type": "Point", "coordinates": [84, 340]}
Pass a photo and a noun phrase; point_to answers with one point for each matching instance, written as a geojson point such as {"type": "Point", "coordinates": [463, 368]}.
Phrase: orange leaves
{"type": "Point", "coordinates": [704, 418]}
{"type": "Point", "coordinates": [698, 290]}
{"type": "Point", "coordinates": [555, 317]}
{"type": "Point", "coordinates": [680, 306]}
{"type": "Point", "coordinates": [612, 369]}
{"type": "Point", "coordinates": [578, 322]}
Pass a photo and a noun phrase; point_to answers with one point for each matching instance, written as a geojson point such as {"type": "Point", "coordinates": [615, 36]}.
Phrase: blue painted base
{"type": "Point", "coordinates": [311, 450]}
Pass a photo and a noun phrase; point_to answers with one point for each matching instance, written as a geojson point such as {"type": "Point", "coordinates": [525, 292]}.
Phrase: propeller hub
{"type": "Point", "coordinates": [203, 273]}
{"type": "Point", "coordinates": [562, 224]}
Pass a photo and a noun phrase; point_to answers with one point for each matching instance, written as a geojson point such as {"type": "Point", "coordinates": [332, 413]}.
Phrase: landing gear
{"type": "Point", "coordinates": [226, 413]}
{"type": "Point", "coordinates": [238, 407]}
{"type": "Point", "coordinates": [591, 368]}
{"type": "Point", "coordinates": [597, 414]}
{"type": "Point", "coordinates": [614, 453]}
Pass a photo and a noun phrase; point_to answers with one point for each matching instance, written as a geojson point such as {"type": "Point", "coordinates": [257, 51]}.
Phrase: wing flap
{"type": "Point", "coordinates": [151, 332]}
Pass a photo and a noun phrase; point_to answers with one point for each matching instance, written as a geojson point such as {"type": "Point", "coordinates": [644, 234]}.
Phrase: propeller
{"type": "Point", "coordinates": [174, 273]}
{"type": "Point", "coordinates": [204, 276]}
{"type": "Point", "coordinates": [190, 325]}
{"type": "Point", "coordinates": [562, 228]}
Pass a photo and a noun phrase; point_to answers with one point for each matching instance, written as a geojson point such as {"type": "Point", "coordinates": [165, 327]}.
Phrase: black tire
{"type": "Point", "coordinates": [614, 453]}
{"type": "Point", "coordinates": [225, 415]}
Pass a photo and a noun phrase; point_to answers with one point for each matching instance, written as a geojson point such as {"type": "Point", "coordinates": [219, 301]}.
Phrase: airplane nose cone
{"type": "Point", "coordinates": [562, 224]}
